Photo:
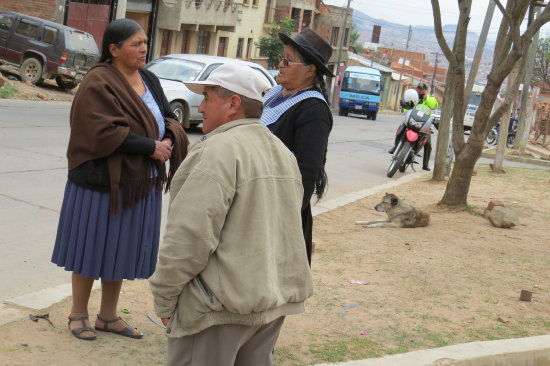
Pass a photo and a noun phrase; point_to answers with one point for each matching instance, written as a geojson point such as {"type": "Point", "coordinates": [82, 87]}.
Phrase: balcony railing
{"type": "Point", "coordinates": [219, 13]}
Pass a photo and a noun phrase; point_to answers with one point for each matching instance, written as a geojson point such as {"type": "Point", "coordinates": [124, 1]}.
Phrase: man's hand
{"type": "Point", "coordinates": [165, 321]}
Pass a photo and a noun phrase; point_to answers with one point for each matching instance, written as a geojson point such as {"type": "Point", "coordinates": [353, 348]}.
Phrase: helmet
{"type": "Point", "coordinates": [410, 98]}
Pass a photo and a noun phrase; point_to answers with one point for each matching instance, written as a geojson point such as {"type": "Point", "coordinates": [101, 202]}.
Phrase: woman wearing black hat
{"type": "Point", "coordinates": [297, 111]}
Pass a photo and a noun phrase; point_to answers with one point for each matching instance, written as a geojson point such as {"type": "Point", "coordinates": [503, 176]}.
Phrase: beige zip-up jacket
{"type": "Point", "coordinates": [233, 251]}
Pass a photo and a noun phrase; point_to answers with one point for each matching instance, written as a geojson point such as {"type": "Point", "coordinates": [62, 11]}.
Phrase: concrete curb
{"type": "Point", "coordinates": [325, 206]}
{"type": "Point", "coordinates": [530, 351]}
{"type": "Point", "coordinates": [518, 159]}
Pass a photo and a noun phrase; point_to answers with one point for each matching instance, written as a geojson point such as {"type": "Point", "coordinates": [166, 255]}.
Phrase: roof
{"type": "Point", "coordinates": [363, 69]}
{"type": "Point", "coordinates": [369, 63]}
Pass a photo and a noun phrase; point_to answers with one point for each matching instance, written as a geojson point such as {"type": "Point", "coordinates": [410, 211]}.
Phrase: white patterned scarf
{"type": "Point", "coordinates": [272, 113]}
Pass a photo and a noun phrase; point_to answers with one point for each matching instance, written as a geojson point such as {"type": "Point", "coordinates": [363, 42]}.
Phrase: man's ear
{"type": "Point", "coordinates": [235, 102]}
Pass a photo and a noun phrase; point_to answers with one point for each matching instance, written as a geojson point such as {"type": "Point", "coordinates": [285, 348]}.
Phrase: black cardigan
{"type": "Point", "coordinates": [94, 174]}
{"type": "Point", "coordinates": [304, 129]}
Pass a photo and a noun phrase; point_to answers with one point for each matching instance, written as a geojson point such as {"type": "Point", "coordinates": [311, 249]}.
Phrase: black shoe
{"type": "Point", "coordinates": [426, 168]}
{"type": "Point", "coordinates": [392, 150]}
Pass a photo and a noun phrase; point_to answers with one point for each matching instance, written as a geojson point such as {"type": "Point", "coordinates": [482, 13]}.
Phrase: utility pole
{"type": "Point", "coordinates": [402, 66]}
{"type": "Point", "coordinates": [479, 51]}
{"type": "Point", "coordinates": [521, 140]}
{"type": "Point", "coordinates": [432, 87]}
{"type": "Point", "coordinates": [342, 38]}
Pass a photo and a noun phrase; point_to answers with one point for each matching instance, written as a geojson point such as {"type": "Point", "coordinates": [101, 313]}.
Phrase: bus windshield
{"type": "Point", "coordinates": [361, 83]}
{"type": "Point", "coordinates": [475, 99]}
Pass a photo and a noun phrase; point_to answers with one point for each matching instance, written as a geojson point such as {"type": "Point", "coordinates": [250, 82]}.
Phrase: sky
{"type": "Point", "coordinates": [419, 12]}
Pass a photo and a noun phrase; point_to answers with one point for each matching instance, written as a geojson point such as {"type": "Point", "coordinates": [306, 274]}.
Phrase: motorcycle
{"type": "Point", "coordinates": [412, 135]}
{"type": "Point", "coordinates": [492, 137]}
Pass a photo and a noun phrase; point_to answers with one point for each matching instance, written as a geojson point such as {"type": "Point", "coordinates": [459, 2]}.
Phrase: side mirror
{"type": "Point", "coordinates": [403, 104]}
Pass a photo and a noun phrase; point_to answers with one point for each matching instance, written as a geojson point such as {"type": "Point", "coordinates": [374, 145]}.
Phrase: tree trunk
{"type": "Point", "coordinates": [458, 186]}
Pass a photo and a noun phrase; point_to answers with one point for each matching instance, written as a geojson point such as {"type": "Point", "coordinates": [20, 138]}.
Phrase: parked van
{"type": "Point", "coordinates": [360, 91]}
{"type": "Point", "coordinates": [46, 50]}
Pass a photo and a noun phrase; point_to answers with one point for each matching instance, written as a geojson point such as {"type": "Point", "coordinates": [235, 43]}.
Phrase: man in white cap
{"type": "Point", "coordinates": [232, 263]}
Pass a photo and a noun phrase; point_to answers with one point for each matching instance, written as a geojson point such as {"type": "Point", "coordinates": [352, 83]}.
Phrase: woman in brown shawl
{"type": "Point", "coordinates": [122, 133]}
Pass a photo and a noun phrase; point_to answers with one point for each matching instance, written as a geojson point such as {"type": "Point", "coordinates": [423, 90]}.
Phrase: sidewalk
{"type": "Point", "coordinates": [524, 351]}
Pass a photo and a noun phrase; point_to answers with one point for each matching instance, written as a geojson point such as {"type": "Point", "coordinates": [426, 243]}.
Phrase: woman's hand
{"type": "Point", "coordinates": [163, 150]}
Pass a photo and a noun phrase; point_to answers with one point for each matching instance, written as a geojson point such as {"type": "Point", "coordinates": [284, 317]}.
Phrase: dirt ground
{"type": "Point", "coordinates": [455, 281]}
{"type": "Point", "coordinates": [16, 89]}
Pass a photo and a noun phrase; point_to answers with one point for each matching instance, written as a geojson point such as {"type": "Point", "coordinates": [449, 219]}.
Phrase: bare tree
{"type": "Point", "coordinates": [542, 63]}
{"type": "Point", "coordinates": [510, 46]}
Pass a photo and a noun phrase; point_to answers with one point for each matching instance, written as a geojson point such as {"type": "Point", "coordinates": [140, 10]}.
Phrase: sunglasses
{"type": "Point", "coordinates": [287, 63]}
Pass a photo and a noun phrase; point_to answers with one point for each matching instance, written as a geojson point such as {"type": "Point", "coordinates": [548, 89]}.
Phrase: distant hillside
{"type": "Point", "coordinates": [422, 40]}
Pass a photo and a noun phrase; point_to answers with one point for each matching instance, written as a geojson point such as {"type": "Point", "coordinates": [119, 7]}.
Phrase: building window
{"type": "Point", "coordinates": [185, 42]}
{"type": "Point", "coordinates": [226, 5]}
{"type": "Point", "coordinates": [222, 42]}
{"type": "Point", "coordinates": [246, 2]}
{"type": "Point", "coordinates": [306, 20]}
{"type": "Point", "coordinates": [267, 12]}
{"type": "Point", "coordinates": [204, 40]}
{"type": "Point", "coordinates": [248, 47]}
{"type": "Point", "coordinates": [254, 2]}
{"type": "Point", "coordinates": [296, 18]}
{"type": "Point", "coordinates": [346, 36]}
{"type": "Point", "coordinates": [198, 3]}
{"type": "Point", "coordinates": [334, 36]}
{"type": "Point", "coordinates": [240, 43]}
{"type": "Point", "coordinates": [165, 43]}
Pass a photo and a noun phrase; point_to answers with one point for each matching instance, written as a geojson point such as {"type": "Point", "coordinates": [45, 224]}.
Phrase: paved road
{"type": "Point", "coordinates": [33, 141]}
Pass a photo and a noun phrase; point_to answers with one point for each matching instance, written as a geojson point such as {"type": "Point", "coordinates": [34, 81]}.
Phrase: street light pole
{"type": "Point", "coordinates": [402, 66]}
{"type": "Point", "coordinates": [341, 45]}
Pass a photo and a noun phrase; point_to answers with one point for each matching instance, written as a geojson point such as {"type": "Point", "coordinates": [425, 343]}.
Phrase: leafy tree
{"type": "Point", "coordinates": [271, 46]}
{"type": "Point", "coordinates": [541, 71]}
{"type": "Point", "coordinates": [354, 36]}
{"type": "Point", "coordinates": [510, 46]}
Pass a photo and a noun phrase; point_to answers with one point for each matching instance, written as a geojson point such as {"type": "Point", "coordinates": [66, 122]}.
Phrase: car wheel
{"type": "Point", "coordinates": [31, 70]}
{"type": "Point", "coordinates": [65, 84]}
{"type": "Point", "coordinates": [179, 110]}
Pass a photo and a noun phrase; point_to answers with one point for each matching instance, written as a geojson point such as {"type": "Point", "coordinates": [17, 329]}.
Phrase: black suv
{"type": "Point", "coordinates": [46, 50]}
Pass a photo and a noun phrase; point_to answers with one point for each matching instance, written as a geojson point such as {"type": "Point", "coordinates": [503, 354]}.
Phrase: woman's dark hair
{"type": "Point", "coordinates": [318, 81]}
{"type": "Point", "coordinates": [117, 32]}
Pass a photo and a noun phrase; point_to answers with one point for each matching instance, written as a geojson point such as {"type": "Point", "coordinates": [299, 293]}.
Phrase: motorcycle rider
{"type": "Point", "coordinates": [424, 100]}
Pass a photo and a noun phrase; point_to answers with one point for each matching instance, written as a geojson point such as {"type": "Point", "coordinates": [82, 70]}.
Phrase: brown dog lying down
{"type": "Point", "coordinates": [399, 214]}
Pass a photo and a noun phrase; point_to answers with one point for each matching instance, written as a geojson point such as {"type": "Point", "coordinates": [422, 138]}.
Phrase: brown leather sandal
{"type": "Point", "coordinates": [78, 331]}
{"type": "Point", "coordinates": [126, 332]}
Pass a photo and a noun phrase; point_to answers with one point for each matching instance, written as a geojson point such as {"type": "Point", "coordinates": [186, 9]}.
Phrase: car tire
{"type": "Point", "coordinates": [65, 84]}
{"type": "Point", "coordinates": [180, 111]}
{"type": "Point", "coordinates": [373, 116]}
{"type": "Point", "coordinates": [31, 70]}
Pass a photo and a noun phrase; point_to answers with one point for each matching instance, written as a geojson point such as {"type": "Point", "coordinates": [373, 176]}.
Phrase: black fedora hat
{"type": "Point", "coordinates": [312, 47]}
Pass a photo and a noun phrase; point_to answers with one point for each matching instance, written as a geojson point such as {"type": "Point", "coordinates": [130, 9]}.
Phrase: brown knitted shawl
{"type": "Point", "coordinates": [105, 109]}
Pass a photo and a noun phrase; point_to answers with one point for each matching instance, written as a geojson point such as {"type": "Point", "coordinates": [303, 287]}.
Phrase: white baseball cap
{"type": "Point", "coordinates": [238, 78]}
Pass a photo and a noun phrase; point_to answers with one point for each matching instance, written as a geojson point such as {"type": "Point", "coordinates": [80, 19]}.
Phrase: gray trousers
{"type": "Point", "coordinates": [226, 345]}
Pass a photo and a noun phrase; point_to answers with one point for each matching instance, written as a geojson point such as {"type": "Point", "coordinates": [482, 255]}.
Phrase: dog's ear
{"type": "Point", "coordinates": [394, 199]}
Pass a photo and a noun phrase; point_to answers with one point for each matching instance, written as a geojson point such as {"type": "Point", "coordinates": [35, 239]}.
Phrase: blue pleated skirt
{"type": "Point", "coordinates": [93, 243]}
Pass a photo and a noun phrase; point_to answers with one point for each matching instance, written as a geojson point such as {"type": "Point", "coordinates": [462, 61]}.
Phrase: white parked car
{"type": "Point", "coordinates": [173, 70]}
